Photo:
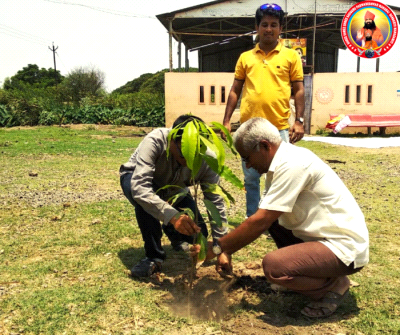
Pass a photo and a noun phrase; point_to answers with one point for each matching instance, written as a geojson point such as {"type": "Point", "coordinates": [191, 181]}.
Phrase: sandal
{"type": "Point", "coordinates": [326, 305]}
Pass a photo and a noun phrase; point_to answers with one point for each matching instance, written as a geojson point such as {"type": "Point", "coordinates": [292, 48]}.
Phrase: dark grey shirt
{"type": "Point", "coordinates": [151, 170]}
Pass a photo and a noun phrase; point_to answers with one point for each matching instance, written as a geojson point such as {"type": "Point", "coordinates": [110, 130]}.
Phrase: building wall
{"type": "Point", "coordinates": [329, 97]}
{"type": "Point", "coordinates": [182, 95]}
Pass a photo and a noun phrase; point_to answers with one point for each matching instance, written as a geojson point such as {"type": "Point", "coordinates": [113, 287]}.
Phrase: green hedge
{"type": "Point", "coordinates": [46, 107]}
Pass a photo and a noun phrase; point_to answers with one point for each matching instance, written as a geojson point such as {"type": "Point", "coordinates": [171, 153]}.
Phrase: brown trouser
{"type": "Point", "coordinates": [309, 268]}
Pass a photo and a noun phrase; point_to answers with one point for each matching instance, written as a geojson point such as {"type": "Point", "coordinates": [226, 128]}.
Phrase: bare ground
{"type": "Point", "coordinates": [219, 299]}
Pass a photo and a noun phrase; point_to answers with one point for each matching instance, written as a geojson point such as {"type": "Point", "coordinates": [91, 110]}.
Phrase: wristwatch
{"type": "Point", "coordinates": [216, 249]}
{"type": "Point", "coordinates": [300, 119]}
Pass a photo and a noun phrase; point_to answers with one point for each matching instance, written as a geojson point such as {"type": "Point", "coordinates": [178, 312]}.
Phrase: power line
{"type": "Point", "coordinates": [65, 67]}
{"type": "Point", "coordinates": [104, 10]}
{"type": "Point", "coordinates": [10, 31]}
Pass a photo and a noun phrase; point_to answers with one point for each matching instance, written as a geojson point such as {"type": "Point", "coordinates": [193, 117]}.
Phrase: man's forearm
{"type": "Point", "coordinates": [299, 102]}
{"type": "Point", "coordinates": [233, 98]}
{"type": "Point", "coordinates": [248, 231]}
{"type": "Point", "coordinates": [230, 107]}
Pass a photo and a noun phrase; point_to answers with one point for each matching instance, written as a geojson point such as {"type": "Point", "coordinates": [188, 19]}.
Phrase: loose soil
{"type": "Point", "coordinates": [215, 298]}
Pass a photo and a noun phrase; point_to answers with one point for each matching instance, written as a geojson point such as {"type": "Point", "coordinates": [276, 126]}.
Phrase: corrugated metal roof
{"type": "Point", "coordinates": [219, 21]}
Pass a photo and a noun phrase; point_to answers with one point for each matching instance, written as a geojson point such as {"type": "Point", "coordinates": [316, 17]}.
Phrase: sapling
{"type": "Point", "coordinates": [200, 143]}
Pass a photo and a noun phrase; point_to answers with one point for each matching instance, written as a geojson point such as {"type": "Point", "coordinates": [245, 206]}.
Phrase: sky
{"type": "Point", "coordinates": [121, 38]}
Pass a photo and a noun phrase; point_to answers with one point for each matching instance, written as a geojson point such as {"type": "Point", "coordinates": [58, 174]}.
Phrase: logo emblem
{"type": "Point", "coordinates": [369, 29]}
{"type": "Point", "coordinates": [324, 95]}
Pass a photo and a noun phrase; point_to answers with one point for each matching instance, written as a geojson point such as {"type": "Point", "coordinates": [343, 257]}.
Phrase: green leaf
{"type": "Point", "coordinates": [220, 148]}
{"type": "Point", "coordinates": [218, 189]}
{"type": "Point", "coordinates": [198, 160]}
{"type": "Point", "coordinates": [214, 212]}
{"type": "Point", "coordinates": [228, 195]}
{"type": "Point", "coordinates": [212, 163]}
{"type": "Point", "coordinates": [188, 212]}
{"type": "Point", "coordinates": [174, 198]}
{"type": "Point", "coordinates": [189, 144]}
{"type": "Point", "coordinates": [168, 186]}
{"type": "Point", "coordinates": [204, 130]}
{"type": "Point", "coordinates": [211, 146]}
{"type": "Point", "coordinates": [200, 239]}
{"type": "Point", "coordinates": [229, 176]}
{"type": "Point", "coordinates": [229, 140]}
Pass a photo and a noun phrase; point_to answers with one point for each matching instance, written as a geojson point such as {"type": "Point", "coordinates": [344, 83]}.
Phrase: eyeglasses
{"type": "Point", "coordinates": [246, 159]}
{"type": "Point", "coordinates": [274, 6]}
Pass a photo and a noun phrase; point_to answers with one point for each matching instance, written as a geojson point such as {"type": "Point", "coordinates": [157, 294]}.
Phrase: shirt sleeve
{"type": "Point", "coordinates": [239, 69]}
{"type": "Point", "coordinates": [296, 69]}
{"type": "Point", "coordinates": [142, 190]}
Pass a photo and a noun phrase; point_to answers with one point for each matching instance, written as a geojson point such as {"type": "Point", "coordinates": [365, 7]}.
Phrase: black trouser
{"type": "Point", "coordinates": [150, 227]}
{"type": "Point", "coordinates": [282, 236]}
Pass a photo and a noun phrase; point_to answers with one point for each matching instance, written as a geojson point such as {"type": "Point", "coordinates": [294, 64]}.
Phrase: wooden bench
{"type": "Point", "coordinates": [367, 120]}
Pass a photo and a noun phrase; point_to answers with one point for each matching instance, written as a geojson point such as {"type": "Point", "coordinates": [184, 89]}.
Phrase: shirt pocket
{"type": "Point", "coordinates": [282, 71]}
{"type": "Point", "coordinates": [296, 218]}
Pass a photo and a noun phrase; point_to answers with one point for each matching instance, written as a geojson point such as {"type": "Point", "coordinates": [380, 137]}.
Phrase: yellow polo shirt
{"type": "Point", "coordinates": [267, 83]}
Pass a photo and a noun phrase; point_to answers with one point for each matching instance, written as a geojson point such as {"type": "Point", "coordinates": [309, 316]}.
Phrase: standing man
{"type": "Point", "coordinates": [369, 29]}
{"type": "Point", "coordinates": [321, 236]}
{"type": "Point", "coordinates": [152, 167]}
{"type": "Point", "coordinates": [266, 74]}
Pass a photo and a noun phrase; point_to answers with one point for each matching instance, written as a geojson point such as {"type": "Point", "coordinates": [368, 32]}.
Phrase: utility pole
{"type": "Point", "coordinates": [54, 56]}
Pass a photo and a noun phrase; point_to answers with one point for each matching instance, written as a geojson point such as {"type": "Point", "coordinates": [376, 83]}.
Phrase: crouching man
{"type": "Point", "coordinates": [150, 168]}
{"type": "Point", "coordinates": [321, 234]}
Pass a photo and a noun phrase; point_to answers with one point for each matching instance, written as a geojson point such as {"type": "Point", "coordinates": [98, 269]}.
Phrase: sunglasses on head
{"type": "Point", "coordinates": [270, 5]}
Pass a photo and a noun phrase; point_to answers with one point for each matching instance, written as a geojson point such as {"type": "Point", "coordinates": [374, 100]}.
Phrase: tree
{"type": "Point", "coordinates": [133, 85]}
{"type": "Point", "coordinates": [148, 82]}
{"type": "Point", "coordinates": [33, 76]}
{"type": "Point", "coordinates": [83, 82]}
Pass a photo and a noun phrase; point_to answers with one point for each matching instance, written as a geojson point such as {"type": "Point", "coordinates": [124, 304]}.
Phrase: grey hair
{"type": "Point", "coordinates": [251, 132]}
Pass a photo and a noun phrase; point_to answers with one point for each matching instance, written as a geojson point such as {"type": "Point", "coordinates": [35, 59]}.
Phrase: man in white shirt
{"type": "Point", "coordinates": [321, 236]}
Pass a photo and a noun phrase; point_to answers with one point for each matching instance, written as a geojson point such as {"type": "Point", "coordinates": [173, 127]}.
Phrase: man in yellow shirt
{"type": "Point", "coordinates": [264, 76]}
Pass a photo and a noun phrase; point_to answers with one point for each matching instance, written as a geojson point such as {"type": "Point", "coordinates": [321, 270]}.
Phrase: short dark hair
{"type": "Point", "coordinates": [182, 120]}
{"type": "Point", "coordinates": [260, 13]}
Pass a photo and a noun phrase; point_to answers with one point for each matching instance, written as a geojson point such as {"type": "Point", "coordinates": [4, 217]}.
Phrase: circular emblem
{"type": "Point", "coordinates": [369, 29]}
{"type": "Point", "coordinates": [324, 95]}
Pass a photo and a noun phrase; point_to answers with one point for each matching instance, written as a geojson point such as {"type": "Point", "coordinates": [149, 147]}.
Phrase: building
{"type": "Point", "coordinates": [221, 30]}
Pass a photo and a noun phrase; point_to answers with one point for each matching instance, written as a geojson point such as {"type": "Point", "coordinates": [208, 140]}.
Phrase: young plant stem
{"type": "Point", "coordinates": [196, 220]}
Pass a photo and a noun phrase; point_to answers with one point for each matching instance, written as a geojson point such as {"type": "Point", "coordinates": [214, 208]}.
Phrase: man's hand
{"type": "Point", "coordinates": [194, 250]}
{"type": "Point", "coordinates": [224, 264]}
{"type": "Point", "coordinates": [297, 132]}
{"type": "Point", "coordinates": [185, 225]}
{"type": "Point", "coordinates": [224, 261]}
{"type": "Point", "coordinates": [227, 125]}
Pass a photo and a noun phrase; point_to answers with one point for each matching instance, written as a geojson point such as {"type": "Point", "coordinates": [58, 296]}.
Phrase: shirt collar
{"type": "Point", "coordinates": [278, 156]}
{"type": "Point", "coordinates": [276, 49]}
